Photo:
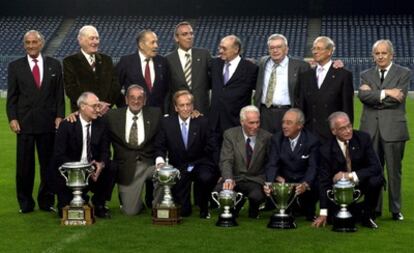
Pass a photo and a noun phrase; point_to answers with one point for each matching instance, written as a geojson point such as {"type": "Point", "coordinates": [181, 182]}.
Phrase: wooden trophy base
{"type": "Point", "coordinates": [77, 216]}
{"type": "Point", "coordinates": [166, 215]}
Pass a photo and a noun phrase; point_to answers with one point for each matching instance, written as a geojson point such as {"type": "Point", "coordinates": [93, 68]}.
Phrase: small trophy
{"type": "Point", "coordinates": [167, 212]}
{"type": "Point", "coordinates": [76, 175]}
{"type": "Point", "coordinates": [226, 200]}
{"type": "Point", "coordinates": [282, 196]}
{"type": "Point", "coordinates": [343, 194]}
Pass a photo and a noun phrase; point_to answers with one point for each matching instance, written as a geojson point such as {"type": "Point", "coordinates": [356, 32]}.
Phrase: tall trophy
{"type": "Point", "coordinates": [167, 212]}
{"type": "Point", "coordinates": [76, 175]}
{"type": "Point", "coordinates": [282, 196]}
{"type": "Point", "coordinates": [226, 200]}
{"type": "Point", "coordinates": [343, 194]}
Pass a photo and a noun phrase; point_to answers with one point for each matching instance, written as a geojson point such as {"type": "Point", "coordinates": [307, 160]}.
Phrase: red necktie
{"type": "Point", "coordinates": [36, 74]}
{"type": "Point", "coordinates": [147, 75]}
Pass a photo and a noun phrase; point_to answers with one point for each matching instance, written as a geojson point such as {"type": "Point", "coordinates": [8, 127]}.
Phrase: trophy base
{"type": "Point", "coordinates": [166, 215]}
{"type": "Point", "coordinates": [282, 222]}
{"type": "Point", "coordinates": [226, 222]}
{"type": "Point", "coordinates": [344, 225]}
{"type": "Point", "coordinates": [77, 216]}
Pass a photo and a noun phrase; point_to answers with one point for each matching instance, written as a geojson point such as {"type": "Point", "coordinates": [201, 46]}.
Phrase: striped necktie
{"type": "Point", "coordinates": [187, 70]}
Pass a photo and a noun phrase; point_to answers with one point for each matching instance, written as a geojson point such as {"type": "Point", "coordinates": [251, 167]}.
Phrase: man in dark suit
{"type": "Point", "coordinates": [349, 154]}
{"type": "Point", "coordinates": [324, 90]}
{"type": "Point", "coordinates": [233, 80]}
{"type": "Point", "coordinates": [192, 149]}
{"type": "Point", "coordinates": [189, 68]}
{"type": "Point", "coordinates": [276, 83]}
{"type": "Point", "coordinates": [383, 92]}
{"type": "Point", "coordinates": [146, 67]}
{"type": "Point", "coordinates": [85, 140]}
{"type": "Point", "coordinates": [243, 157]}
{"type": "Point", "coordinates": [35, 107]}
{"type": "Point", "coordinates": [132, 131]}
{"type": "Point", "coordinates": [91, 71]}
{"type": "Point", "coordinates": [294, 158]}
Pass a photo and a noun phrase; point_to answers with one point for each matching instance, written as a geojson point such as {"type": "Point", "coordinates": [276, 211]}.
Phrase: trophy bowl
{"type": "Point", "coordinates": [282, 195]}
{"type": "Point", "coordinates": [77, 175]}
{"type": "Point", "coordinates": [226, 201]}
{"type": "Point", "coordinates": [343, 193]}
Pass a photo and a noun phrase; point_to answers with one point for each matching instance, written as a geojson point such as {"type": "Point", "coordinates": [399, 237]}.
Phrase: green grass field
{"type": "Point", "coordinates": [41, 232]}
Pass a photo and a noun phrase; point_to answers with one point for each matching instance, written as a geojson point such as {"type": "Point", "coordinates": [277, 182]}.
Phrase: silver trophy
{"type": "Point", "coordinates": [282, 196]}
{"type": "Point", "coordinates": [344, 194]}
{"type": "Point", "coordinates": [226, 200]}
{"type": "Point", "coordinates": [76, 175]}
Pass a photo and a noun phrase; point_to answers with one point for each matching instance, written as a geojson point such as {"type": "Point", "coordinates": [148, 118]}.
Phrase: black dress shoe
{"type": "Point", "coordinates": [397, 216]}
{"type": "Point", "coordinates": [205, 215]}
{"type": "Point", "coordinates": [26, 210]}
{"type": "Point", "coordinates": [102, 212]}
{"type": "Point", "coordinates": [378, 214]}
{"type": "Point", "coordinates": [48, 209]}
{"type": "Point", "coordinates": [369, 223]}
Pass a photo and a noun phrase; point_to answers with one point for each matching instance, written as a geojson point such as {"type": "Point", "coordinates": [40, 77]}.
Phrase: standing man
{"type": "Point", "coordinates": [85, 140]}
{"type": "Point", "coordinates": [324, 90]}
{"type": "Point", "coordinates": [91, 71]}
{"type": "Point", "coordinates": [132, 131]}
{"type": "Point", "coordinates": [383, 92]}
{"type": "Point", "coordinates": [192, 149]}
{"type": "Point", "coordinates": [189, 68]}
{"type": "Point", "coordinates": [243, 157]}
{"type": "Point", "coordinates": [276, 83]}
{"type": "Point", "coordinates": [35, 108]}
{"type": "Point", "coordinates": [146, 67]}
{"type": "Point", "coordinates": [294, 158]}
{"type": "Point", "coordinates": [233, 80]}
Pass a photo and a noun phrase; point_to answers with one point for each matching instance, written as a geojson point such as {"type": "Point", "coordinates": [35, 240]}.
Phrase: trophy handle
{"type": "Point", "coordinates": [178, 175]}
{"type": "Point", "coordinates": [89, 171]}
{"type": "Point", "coordinates": [330, 194]}
{"type": "Point", "coordinates": [291, 201]}
{"type": "Point", "coordinates": [214, 196]}
{"type": "Point", "coordinates": [62, 171]}
{"type": "Point", "coordinates": [357, 194]}
{"type": "Point", "coordinates": [240, 195]}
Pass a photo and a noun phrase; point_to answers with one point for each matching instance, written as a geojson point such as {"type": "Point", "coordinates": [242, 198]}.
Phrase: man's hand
{"type": "Point", "coordinates": [72, 117]}
{"type": "Point", "coordinates": [365, 87]}
{"type": "Point", "coordinates": [338, 64]}
{"type": "Point", "coordinates": [301, 188]}
{"type": "Point", "coordinates": [98, 169]}
{"type": "Point", "coordinates": [104, 107]}
{"type": "Point", "coordinates": [229, 184]}
{"type": "Point", "coordinates": [15, 126]}
{"type": "Point", "coordinates": [338, 176]}
{"type": "Point", "coordinates": [395, 93]}
{"type": "Point", "coordinates": [57, 122]}
{"type": "Point", "coordinates": [195, 114]}
{"type": "Point", "coordinates": [280, 179]}
{"type": "Point", "coordinates": [320, 221]}
{"type": "Point", "coordinates": [158, 166]}
{"type": "Point", "coordinates": [267, 190]}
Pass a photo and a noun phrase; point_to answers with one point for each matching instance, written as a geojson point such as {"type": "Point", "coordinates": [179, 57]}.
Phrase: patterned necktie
{"type": "Point", "coordinates": [382, 75]}
{"type": "Point", "coordinates": [249, 152]}
{"type": "Point", "coordinates": [36, 74]}
{"type": "Point", "coordinates": [187, 70]}
{"type": "Point", "coordinates": [147, 75]}
{"type": "Point", "coordinates": [271, 87]}
{"type": "Point", "coordinates": [133, 133]}
{"type": "Point", "coordinates": [92, 62]}
{"type": "Point", "coordinates": [184, 133]}
{"type": "Point", "coordinates": [226, 75]}
{"type": "Point", "coordinates": [88, 143]}
{"type": "Point", "coordinates": [347, 157]}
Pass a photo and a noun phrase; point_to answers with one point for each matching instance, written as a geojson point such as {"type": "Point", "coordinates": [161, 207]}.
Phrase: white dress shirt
{"type": "Point", "coordinates": [182, 57]}
{"type": "Point", "coordinates": [144, 64]}
{"type": "Point", "coordinates": [281, 91]}
{"type": "Point", "coordinates": [233, 66]}
{"type": "Point", "coordinates": [140, 126]}
{"type": "Point", "coordinates": [84, 157]}
{"type": "Point", "coordinates": [321, 74]}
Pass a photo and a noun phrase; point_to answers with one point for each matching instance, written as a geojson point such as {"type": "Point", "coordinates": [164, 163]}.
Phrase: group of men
{"type": "Point", "coordinates": [299, 129]}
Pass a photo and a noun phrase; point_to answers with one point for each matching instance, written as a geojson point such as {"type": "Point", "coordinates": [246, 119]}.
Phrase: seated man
{"type": "Point", "coordinates": [349, 154]}
{"type": "Point", "coordinates": [85, 140]}
{"type": "Point", "coordinates": [242, 159]}
{"type": "Point", "coordinates": [294, 158]}
{"type": "Point", "coordinates": [192, 149]}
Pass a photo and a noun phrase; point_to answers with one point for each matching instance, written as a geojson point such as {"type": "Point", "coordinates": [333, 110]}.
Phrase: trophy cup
{"type": "Point", "coordinates": [226, 200]}
{"type": "Point", "coordinates": [167, 212]}
{"type": "Point", "coordinates": [76, 175]}
{"type": "Point", "coordinates": [343, 194]}
{"type": "Point", "coordinates": [282, 196]}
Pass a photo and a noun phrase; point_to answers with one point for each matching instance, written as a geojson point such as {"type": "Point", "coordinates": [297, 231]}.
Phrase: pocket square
{"type": "Point", "coordinates": [304, 156]}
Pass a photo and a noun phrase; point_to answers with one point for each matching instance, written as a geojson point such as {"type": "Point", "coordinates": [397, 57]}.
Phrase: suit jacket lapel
{"type": "Point", "coordinates": [29, 76]}
{"type": "Point", "coordinates": [120, 119]}
{"type": "Point", "coordinates": [241, 145]}
{"type": "Point", "coordinates": [388, 78]}
{"type": "Point", "coordinates": [195, 67]}
{"type": "Point", "coordinates": [79, 136]}
{"type": "Point", "coordinates": [192, 133]}
{"type": "Point", "coordinates": [85, 62]}
{"type": "Point", "coordinates": [177, 66]}
{"type": "Point", "coordinates": [237, 73]}
{"type": "Point", "coordinates": [330, 76]}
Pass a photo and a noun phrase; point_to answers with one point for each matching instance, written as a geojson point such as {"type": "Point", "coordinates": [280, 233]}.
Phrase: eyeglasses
{"type": "Point", "coordinates": [95, 106]}
{"type": "Point", "coordinates": [318, 48]}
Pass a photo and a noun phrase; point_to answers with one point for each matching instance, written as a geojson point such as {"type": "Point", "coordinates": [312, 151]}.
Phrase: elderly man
{"type": "Point", "coordinates": [85, 140]}
{"type": "Point", "coordinates": [35, 107]}
{"type": "Point", "coordinates": [91, 71]}
{"type": "Point", "coordinates": [132, 132]}
{"type": "Point", "coordinates": [243, 157]}
{"type": "Point", "coordinates": [383, 92]}
{"type": "Point", "coordinates": [324, 90]}
{"type": "Point", "coordinates": [294, 158]}
{"type": "Point", "coordinates": [349, 154]}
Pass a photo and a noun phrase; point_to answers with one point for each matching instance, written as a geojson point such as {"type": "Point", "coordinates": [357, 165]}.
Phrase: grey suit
{"type": "Point", "coordinates": [134, 163]}
{"type": "Point", "coordinates": [200, 82]}
{"type": "Point", "coordinates": [385, 121]}
{"type": "Point", "coordinates": [271, 118]}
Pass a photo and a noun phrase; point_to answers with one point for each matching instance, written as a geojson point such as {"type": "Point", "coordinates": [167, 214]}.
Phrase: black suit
{"type": "Point", "coordinates": [201, 152]}
{"type": "Point", "coordinates": [297, 166]}
{"type": "Point", "coordinates": [68, 148]}
{"type": "Point", "coordinates": [80, 77]}
{"type": "Point", "coordinates": [36, 111]}
{"type": "Point", "coordinates": [335, 94]}
{"type": "Point", "coordinates": [365, 164]}
{"type": "Point", "coordinates": [228, 99]}
{"type": "Point", "coordinates": [130, 72]}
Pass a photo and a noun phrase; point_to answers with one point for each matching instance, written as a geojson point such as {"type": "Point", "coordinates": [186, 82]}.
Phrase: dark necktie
{"type": "Point", "coordinates": [249, 152]}
{"type": "Point", "coordinates": [36, 74]}
{"type": "Point", "coordinates": [147, 75]}
{"type": "Point", "coordinates": [88, 143]}
{"type": "Point", "coordinates": [347, 157]}
{"type": "Point", "coordinates": [133, 133]}
{"type": "Point", "coordinates": [382, 75]}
